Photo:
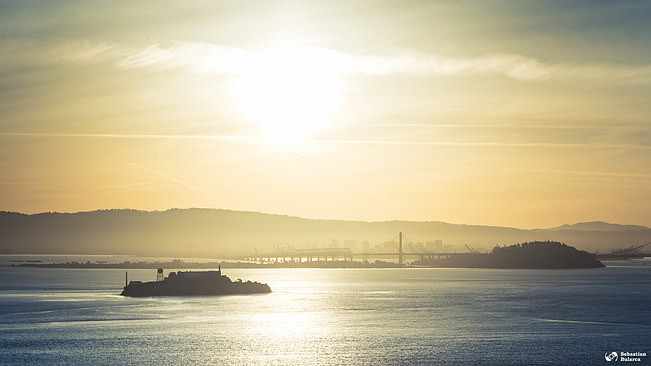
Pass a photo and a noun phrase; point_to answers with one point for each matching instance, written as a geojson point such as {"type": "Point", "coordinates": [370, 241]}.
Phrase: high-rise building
{"type": "Point", "coordinates": [365, 245]}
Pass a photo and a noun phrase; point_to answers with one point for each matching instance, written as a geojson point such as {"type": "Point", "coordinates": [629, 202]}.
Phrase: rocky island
{"type": "Point", "coordinates": [192, 284]}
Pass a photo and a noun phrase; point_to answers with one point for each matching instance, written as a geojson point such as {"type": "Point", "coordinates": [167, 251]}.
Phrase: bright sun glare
{"type": "Point", "coordinates": [290, 91]}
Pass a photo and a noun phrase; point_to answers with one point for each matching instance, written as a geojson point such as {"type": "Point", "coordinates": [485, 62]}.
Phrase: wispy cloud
{"type": "Point", "coordinates": [593, 178]}
{"type": "Point", "coordinates": [205, 57]}
{"type": "Point", "coordinates": [256, 139]}
{"type": "Point", "coordinates": [514, 66]}
{"type": "Point", "coordinates": [586, 173]}
{"type": "Point", "coordinates": [198, 57]}
{"type": "Point", "coordinates": [25, 53]}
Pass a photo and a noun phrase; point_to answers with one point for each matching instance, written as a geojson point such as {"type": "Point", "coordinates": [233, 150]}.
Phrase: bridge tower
{"type": "Point", "coordinates": [400, 250]}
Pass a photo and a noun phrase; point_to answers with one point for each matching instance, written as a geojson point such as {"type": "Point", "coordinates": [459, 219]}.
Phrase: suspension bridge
{"type": "Point", "coordinates": [399, 247]}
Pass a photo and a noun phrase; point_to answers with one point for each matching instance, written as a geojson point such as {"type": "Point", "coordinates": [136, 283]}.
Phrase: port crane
{"type": "Point", "coordinates": [471, 250]}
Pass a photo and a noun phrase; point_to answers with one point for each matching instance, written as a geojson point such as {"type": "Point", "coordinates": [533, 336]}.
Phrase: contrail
{"type": "Point", "coordinates": [504, 126]}
{"type": "Point", "coordinates": [634, 179]}
{"type": "Point", "coordinates": [176, 180]}
{"type": "Point", "coordinates": [234, 138]}
{"type": "Point", "coordinates": [486, 143]}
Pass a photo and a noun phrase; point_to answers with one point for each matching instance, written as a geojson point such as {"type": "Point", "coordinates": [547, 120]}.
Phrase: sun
{"type": "Point", "coordinates": [291, 91]}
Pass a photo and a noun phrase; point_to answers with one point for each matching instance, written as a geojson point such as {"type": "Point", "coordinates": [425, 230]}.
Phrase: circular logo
{"type": "Point", "coordinates": [612, 356]}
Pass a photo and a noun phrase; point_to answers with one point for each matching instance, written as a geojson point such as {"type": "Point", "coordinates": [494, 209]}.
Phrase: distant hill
{"type": "Point", "coordinates": [217, 232]}
{"type": "Point", "coordinates": [599, 226]}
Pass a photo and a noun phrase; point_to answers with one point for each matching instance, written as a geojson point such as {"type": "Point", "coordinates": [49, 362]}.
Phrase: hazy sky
{"type": "Point", "coordinates": [518, 113]}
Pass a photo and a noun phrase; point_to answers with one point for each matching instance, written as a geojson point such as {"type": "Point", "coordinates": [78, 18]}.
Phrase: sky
{"type": "Point", "coordinates": [512, 113]}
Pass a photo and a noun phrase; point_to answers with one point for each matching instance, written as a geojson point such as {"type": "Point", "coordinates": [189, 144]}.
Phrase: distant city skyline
{"type": "Point", "coordinates": [507, 113]}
